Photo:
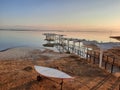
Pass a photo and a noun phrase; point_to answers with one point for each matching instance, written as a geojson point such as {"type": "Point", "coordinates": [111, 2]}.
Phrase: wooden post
{"type": "Point", "coordinates": [112, 64]}
{"type": "Point", "coordinates": [59, 39]}
{"type": "Point", "coordinates": [45, 35]}
{"type": "Point", "coordinates": [73, 47]}
{"type": "Point", "coordinates": [106, 62]}
{"type": "Point", "coordinates": [61, 85]}
{"type": "Point", "coordinates": [78, 52]}
{"type": "Point", "coordinates": [87, 54]}
{"type": "Point", "coordinates": [68, 44]}
{"type": "Point", "coordinates": [79, 45]}
{"type": "Point", "coordinates": [65, 44]}
{"type": "Point", "coordinates": [84, 51]}
{"type": "Point", "coordinates": [62, 44]}
{"type": "Point", "coordinates": [54, 38]}
{"type": "Point", "coordinates": [94, 57]}
{"type": "Point", "coordinates": [100, 59]}
{"type": "Point", "coordinates": [91, 56]}
{"type": "Point", "coordinates": [79, 49]}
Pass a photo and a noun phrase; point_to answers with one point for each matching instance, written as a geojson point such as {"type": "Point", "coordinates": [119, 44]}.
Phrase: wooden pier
{"type": "Point", "coordinates": [89, 50]}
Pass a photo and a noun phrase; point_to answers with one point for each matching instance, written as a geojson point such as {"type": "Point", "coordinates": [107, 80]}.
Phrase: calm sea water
{"type": "Point", "coordinates": [9, 39]}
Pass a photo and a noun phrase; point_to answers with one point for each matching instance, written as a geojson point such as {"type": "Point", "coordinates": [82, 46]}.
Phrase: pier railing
{"type": "Point", "coordinates": [85, 49]}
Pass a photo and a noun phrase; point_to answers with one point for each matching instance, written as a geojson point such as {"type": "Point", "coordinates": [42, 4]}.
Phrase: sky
{"type": "Point", "coordinates": [60, 14]}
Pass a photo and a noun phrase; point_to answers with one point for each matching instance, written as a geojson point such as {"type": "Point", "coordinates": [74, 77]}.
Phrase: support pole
{"type": "Point", "coordinates": [84, 48]}
{"type": "Point", "coordinates": [106, 63]}
{"type": "Point", "coordinates": [90, 56]}
{"type": "Point", "coordinates": [112, 65]}
{"type": "Point", "coordinates": [68, 44]}
{"type": "Point", "coordinates": [62, 44]}
{"type": "Point", "coordinates": [100, 59]}
{"type": "Point", "coordinates": [79, 45]}
{"type": "Point", "coordinates": [94, 57]}
{"type": "Point", "coordinates": [87, 53]}
{"type": "Point", "coordinates": [79, 49]}
{"type": "Point", "coordinates": [61, 84]}
{"type": "Point", "coordinates": [73, 48]}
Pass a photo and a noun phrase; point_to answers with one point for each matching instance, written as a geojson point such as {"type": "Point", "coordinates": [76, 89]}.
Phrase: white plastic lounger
{"type": "Point", "coordinates": [52, 73]}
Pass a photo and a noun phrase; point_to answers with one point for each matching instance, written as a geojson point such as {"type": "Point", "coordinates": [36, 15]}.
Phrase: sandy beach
{"type": "Point", "coordinates": [17, 71]}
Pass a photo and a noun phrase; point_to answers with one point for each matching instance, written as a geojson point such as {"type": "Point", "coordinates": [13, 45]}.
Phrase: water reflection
{"type": "Point", "coordinates": [20, 38]}
{"type": "Point", "coordinates": [35, 38]}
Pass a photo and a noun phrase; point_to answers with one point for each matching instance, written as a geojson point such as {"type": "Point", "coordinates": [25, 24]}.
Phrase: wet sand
{"type": "Point", "coordinates": [17, 71]}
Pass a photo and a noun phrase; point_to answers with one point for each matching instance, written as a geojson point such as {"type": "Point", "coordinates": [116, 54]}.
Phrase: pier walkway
{"type": "Point", "coordinates": [101, 54]}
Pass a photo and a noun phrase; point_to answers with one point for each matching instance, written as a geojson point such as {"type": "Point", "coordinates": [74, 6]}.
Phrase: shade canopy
{"type": "Point", "coordinates": [102, 46]}
{"type": "Point", "coordinates": [105, 46]}
{"type": "Point", "coordinates": [50, 72]}
{"type": "Point", "coordinates": [90, 44]}
{"type": "Point", "coordinates": [115, 37]}
{"type": "Point", "coordinates": [87, 43]}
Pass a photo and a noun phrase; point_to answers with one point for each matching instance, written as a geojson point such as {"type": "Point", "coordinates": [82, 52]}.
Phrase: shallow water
{"type": "Point", "coordinates": [9, 39]}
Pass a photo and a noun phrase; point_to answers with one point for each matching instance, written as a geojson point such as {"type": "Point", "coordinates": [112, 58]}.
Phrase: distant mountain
{"type": "Point", "coordinates": [26, 30]}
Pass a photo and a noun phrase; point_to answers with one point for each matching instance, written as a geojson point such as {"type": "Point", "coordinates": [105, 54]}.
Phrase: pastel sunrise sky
{"type": "Point", "coordinates": [60, 14]}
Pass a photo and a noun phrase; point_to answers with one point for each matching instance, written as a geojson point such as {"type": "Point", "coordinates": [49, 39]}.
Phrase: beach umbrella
{"type": "Point", "coordinates": [52, 73]}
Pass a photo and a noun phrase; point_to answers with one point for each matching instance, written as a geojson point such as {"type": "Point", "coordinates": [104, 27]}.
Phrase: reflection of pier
{"type": "Point", "coordinates": [92, 51]}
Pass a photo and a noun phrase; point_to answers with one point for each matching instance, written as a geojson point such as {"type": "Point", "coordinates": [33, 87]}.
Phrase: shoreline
{"type": "Point", "coordinates": [32, 47]}
{"type": "Point", "coordinates": [5, 49]}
